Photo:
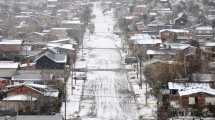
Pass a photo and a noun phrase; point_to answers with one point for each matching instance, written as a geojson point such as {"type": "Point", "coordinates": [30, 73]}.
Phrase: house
{"type": "Point", "coordinates": [20, 18]}
{"type": "Point", "coordinates": [52, 4]}
{"type": "Point", "coordinates": [157, 25]}
{"type": "Point", "coordinates": [10, 50]}
{"type": "Point", "coordinates": [161, 54]}
{"type": "Point", "coordinates": [121, 11]}
{"type": "Point", "coordinates": [64, 41]}
{"type": "Point", "coordinates": [33, 117]}
{"type": "Point", "coordinates": [164, 1]}
{"type": "Point", "coordinates": [163, 11]}
{"type": "Point", "coordinates": [203, 33]}
{"type": "Point", "coordinates": [140, 26]}
{"type": "Point", "coordinates": [19, 103]}
{"type": "Point", "coordinates": [75, 24]}
{"type": "Point", "coordinates": [59, 32]}
{"type": "Point", "coordinates": [3, 83]}
{"type": "Point", "coordinates": [193, 93]}
{"type": "Point", "coordinates": [139, 10]}
{"type": "Point", "coordinates": [31, 76]}
{"type": "Point", "coordinates": [208, 48]}
{"type": "Point", "coordinates": [23, 97]}
{"type": "Point", "coordinates": [180, 20]}
{"type": "Point", "coordinates": [63, 49]}
{"type": "Point", "coordinates": [50, 60]}
{"type": "Point", "coordinates": [139, 43]}
{"type": "Point", "coordinates": [175, 35]}
{"type": "Point", "coordinates": [11, 46]}
{"type": "Point", "coordinates": [189, 98]}
{"type": "Point", "coordinates": [35, 37]}
{"type": "Point", "coordinates": [190, 95]}
{"type": "Point", "coordinates": [35, 90]}
{"type": "Point", "coordinates": [8, 68]}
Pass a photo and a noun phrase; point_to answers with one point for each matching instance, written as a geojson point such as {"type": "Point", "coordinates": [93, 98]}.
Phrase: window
{"type": "Point", "coordinates": [192, 100]}
{"type": "Point", "coordinates": [210, 100]}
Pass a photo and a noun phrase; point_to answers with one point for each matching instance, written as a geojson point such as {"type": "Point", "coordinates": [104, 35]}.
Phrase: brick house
{"type": "Point", "coordinates": [175, 35]}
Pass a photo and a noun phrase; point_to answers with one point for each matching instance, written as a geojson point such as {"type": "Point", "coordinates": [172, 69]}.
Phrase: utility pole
{"type": "Point", "coordinates": [141, 80]}
{"type": "Point", "coordinates": [65, 99]}
{"type": "Point", "coordinates": [66, 75]}
{"type": "Point", "coordinates": [72, 76]}
{"type": "Point", "coordinates": [82, 46]}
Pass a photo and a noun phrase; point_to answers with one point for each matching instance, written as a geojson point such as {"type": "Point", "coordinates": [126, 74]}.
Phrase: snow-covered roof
{"type": "Point", "coordinates": [58, 58]}
{"type": "Point", "coordinates": [46, 31]}
{"type": "Point", "coordinates": [61, 40]}
{"type": "Point", "coordinates": [37, 117]}
{"type": "Point", "coordinates": [164, 0]}
{"type": "Point", "coordinates": [179, 16]}
{"type": "Point", "coordinates": [204, 28]}
{"type": "Point", "coordinates": [59, 45]}
{"type": "Point", "coordinates": [161, 52]}
{"type": "Point", "coordinates": [28, 84]}
{"type": "Point", "coordinates": [52, 0]}
{"type": "Point", "coordinates": [39, 33]}
{"type": "Point", "coordinates": [153, 13]}
{"type": "Point", "coordinates": [20, 97]}
{"type": "Point", "coordinates": [52, 93]}
{"type": "Point", "coordinates": [179, 46]}
{"type": "Point", "coordinates": [191, 90]}
{"type": "Point", "coordinates": [182, 86]}
{"type": "Point", "coordinates": [209, 44]}
{"type": "Point", "coordinates": [8, 64]}
{"type": "Point", "coordinates": [144, 39]}
{"type": "Point", "coordinates": [130, 17]}
{"type": "Point", "coordinates": [12, 42]}
{"type": "Point", "coordinates": [60, 28]}
{"type": "Point", "coordinates": [22, 16]}
{"type": "Point", "coordinates": [71, 22]}
{"type": "Point", "coordinates": [63, 10]}
{"type": "Point", "coordinates": [26, 65]}
{"type": "Point", "coordinates": [175, 30]}
{"type": "Point", "coordinates": [27, 77]}
{"type": "Point", "coordinates": [43, 89]}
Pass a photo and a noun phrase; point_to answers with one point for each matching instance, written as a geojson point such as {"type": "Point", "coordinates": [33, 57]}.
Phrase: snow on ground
{"type": "Point", "coordinates": [73, 97]}
{"type": "Point", "coordinates": [106, 93]}
{"type": "Point", "coordinates": [147, 110]}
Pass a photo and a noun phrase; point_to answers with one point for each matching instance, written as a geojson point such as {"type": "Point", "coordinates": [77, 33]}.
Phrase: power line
{"type": "Point", "coordinates": [120, 102]}
{"type": "Point", "coordinates": [102, 96]}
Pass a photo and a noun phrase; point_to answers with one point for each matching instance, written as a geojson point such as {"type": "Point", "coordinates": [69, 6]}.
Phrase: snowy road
{"type": "Point", "coordinates": [106, 94]}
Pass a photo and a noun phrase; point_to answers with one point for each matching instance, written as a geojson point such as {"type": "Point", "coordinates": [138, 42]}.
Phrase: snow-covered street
{"type": "Point", "coordinates": [106, 94]}
{"type": "Point", "coordinates": [109, 93]}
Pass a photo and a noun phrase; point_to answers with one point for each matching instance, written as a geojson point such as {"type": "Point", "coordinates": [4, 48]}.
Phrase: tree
{"type": "Point", "coordinates": [159, 74]}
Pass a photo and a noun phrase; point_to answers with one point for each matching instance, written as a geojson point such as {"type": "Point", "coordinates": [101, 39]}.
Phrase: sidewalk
{"type": "Point", "coordinates": [73, 98]}
{"type": "Point", "coordinates": [146, 111]}
{"type": "Point", "coordinates": [74, 89]}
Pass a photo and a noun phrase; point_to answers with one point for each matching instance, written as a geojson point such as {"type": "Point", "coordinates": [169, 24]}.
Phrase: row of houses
{"type": "Point", "coordinates": [177, 52]}
{"type": "Point", "coordinates": [38, 46]}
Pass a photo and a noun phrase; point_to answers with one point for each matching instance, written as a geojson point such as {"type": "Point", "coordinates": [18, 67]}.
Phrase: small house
{"type": "Point", "coordinates": [50, 60]}
{"type": "Point", "coordinates": [175, 35]}
{"type": "Point", "coordinates": [8, 68]}
{"type": "Point", "coordinates": [204, 33]}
